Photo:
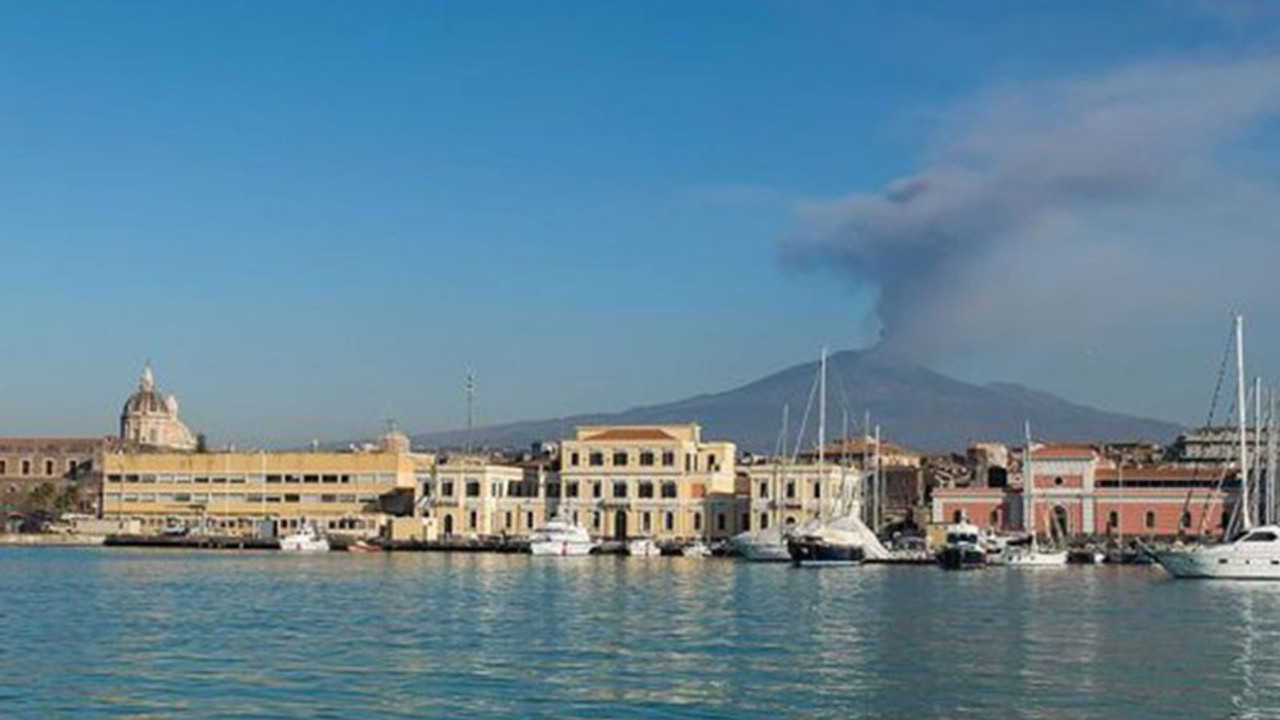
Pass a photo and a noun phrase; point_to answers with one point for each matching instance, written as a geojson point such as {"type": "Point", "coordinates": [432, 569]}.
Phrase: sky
{"type": "Point", "coordinates": [312, 217]}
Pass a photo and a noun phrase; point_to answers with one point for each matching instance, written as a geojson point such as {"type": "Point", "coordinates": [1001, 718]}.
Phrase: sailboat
{"type": "Point", "coordinates": [842, 539]}
{"type": "Point", "coordinates": [1255, 555]}
{"type": "Point", "coordinates": [1030, 556]}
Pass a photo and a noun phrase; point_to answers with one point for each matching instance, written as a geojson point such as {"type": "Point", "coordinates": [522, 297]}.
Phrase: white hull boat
{"type": "Point", "coordinates": [643, 547]}
{"type": "Point", "coordinates": [1253, 556]}
{"type": "Point", "coordinates": [761, 546]}
{"type": "Point", "coordinates": [306, 540]}
{"type": "Point", "coordinates": [697, 549]}
{"type": "Point", "coordinates": [561, 539]}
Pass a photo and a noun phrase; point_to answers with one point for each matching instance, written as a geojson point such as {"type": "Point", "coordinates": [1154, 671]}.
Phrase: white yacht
{"type": "Point", "coordinates": [307, 539]}
{"type": "Point", "coordinates": [963, 549]}
{"type": "Point", "coordinates": [643, 547]}
{"type": "Point", "coordinates": [1253, 556]}
{"type": "Point", "coordinates": [769, 545]}
{"type": "Point", "coordinates": [563, 539]}
{"type": "Point", "coordinates": [697, 549]}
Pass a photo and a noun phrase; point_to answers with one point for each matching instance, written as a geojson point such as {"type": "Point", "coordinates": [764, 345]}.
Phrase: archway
{"type": "Point", "coordinates": [1061, 522]}
{"type": "Point", "coordinates": [620, 525]}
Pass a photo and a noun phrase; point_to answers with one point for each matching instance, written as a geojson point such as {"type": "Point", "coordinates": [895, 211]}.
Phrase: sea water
{"type": "Point", "coordinates": [118, 633]}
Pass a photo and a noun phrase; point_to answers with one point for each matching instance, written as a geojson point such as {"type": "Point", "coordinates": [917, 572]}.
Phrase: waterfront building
{"type": "Point", "coordinates": [470, 495]}
{"type": "Point", "coordinates": [1080, 493]}
{"type": "Point", "coordinates": [663, 481]}
{"type": "Point", "coordinates": [233, 492]}
{"type": "Point", "coordinates": [150, 418]}
{"type": "Point", "coordinates": [784, 493]}
{"type": "Point", "coordinates": [56, 474]}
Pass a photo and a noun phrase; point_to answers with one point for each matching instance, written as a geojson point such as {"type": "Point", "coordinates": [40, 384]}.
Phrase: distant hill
{"type": "Point", "coordinates": [915, 406]}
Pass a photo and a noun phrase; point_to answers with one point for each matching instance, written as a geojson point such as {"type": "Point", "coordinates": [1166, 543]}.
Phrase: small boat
{"type": "Point", "coordinates": [962, 550]}
{"type": "Point", "coordinates": [823, 549]}
{"type": "Point", "coordinates": [1031, 555]}
{"type": "Point", "coordinates": [561, 539]}
{"type": "Point", "coordinates": [1086, 556]}
{"type": "Point", "coordinates": [307, 539]}
{"type": "Point", "coordinates": [696, 549]}
{"type": "Point", "coordinates": [643, 547]}
{"type": "Point", "coordinates": [363, 546]}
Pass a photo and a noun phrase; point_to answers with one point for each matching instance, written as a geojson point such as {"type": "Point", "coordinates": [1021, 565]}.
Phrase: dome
{"type": "Point", "coordinates": [145, 402]}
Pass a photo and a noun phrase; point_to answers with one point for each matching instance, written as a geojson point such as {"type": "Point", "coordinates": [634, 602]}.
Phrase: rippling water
{"type": "Point", "coordinates": [112, 633]}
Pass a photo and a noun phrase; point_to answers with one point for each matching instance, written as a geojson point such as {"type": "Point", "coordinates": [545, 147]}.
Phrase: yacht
{"type": "Point", "coordinates": [1031, 555]}
{"type": "Point", "coordinates": [643, 547]}
{"type": "Point", "coordinates": [307, 539]}
{"type": "Point", "coordinates": [563, 539]}
{"type": "Point", "coordinates": [1255, 554]}
{"type": "Point", "coordinates": [769, 545]}
{"type": "Point", "coordinates": [963, 549]}
{"type": "Point", "coordinates": [826, 547]}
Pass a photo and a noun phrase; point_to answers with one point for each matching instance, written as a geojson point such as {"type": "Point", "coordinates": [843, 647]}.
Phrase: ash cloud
{"type": "Point", "coordinates": [1029, 167]}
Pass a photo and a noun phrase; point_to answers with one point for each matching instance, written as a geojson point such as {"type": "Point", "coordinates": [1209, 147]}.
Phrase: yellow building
{"type": "Point", "coordinates": [662, 481]}
{"type": "Point", "coordinates": [231, 492]}
{"type": "Point", "coordinates": [793, 493]}
{"type": "Point", "coordinates": [471, 496]}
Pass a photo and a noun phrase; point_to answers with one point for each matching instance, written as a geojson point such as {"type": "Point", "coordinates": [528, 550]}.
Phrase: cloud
{"type": "Point", "coordinates": [1070, 182]}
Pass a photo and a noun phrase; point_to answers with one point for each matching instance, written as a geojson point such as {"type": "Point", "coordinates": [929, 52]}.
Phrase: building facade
{"type": "Point", "coordinates": [48, 476]}
{"type": "Point", "coordinates": [1079, 493]}
{"type": "Point", "coordinates": [473, 496]}
{"type": "Point", "coordinates": [781, 493]}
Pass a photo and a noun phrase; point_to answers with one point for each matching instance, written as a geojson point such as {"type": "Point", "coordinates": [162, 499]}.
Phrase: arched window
{"type": "Point", "coordinates": [957, 516]}
{"type": "Point", "coordinates": [1150, 519]}
{"type": "Point", "coordinates": [764, 521]}
{"type": "Point", "coordinates": [1113, 519]}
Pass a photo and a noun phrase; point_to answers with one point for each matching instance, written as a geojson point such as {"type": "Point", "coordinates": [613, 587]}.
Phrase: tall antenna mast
{"type": "Point", "coordinates": [471, 406]}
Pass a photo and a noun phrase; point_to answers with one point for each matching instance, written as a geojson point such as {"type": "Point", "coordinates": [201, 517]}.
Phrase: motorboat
{"type": "Point", "coordinates": [1255, 555]}
{"type": "Point", "coordinates": [768, 545]}
{"type": "Point", "coordinates": [696, 549]}
{"type": "Point", "coordinates": [643, 547]}
{"type": "Point", "coordinates": [563, 539]}
{"type": "Point", "coordinates": [307, 539]}
{"type": "Point", "coordinates": [363, 546]}
{"type": "Point", "coordinates": [963, 549]}
{"type": "Point", "coordinates": [825, 549]}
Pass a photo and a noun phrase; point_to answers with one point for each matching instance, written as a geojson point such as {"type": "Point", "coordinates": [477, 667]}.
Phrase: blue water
{"type": "Point", "coordinates": [113, 633]}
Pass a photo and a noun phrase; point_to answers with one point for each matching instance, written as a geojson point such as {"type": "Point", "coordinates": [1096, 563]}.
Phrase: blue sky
{"type": "Point", "coordinates": [313, 215]}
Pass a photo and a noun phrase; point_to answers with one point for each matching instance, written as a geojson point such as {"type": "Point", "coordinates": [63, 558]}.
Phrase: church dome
{"type": "Point", "coordinates": [146, 400]}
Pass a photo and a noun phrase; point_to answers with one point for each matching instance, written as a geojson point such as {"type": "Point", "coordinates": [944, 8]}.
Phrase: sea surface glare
{"type": "Point", "coordinates": [117, 633]}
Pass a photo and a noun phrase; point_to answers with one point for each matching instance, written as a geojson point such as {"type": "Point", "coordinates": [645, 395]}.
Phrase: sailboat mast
{"type": "Point", "coordinates": [1271, 458]}
{"type": "Point", "coordinates": [878, 480]}
{"type": "Point", "coordinates": [1028, 490]}
{"type": "Point", "coordinates": [1246, 521]}
{"type": "Point", "coordinates": [1257, 449]}
{"type": "Point", "coordinates": [822, 413]}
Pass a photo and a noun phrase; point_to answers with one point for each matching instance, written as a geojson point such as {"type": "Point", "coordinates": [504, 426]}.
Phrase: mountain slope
{"type": "Point", "coordinates": [915, 406]}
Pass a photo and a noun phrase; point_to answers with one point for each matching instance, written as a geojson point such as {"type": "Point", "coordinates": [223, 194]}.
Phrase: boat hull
{"type": "Point", "coordinates": [643, 548]}
{"type": "Point", "coordinates": [962, 558]}
{"type": "Point", "coordinates": [763, 552]}
{"type": "Point", "coordinates": [560, 548]}
{"type": "Point", "coordinates": [807, 552]}
{"type": "Point", "coordinates": [1208, 565]}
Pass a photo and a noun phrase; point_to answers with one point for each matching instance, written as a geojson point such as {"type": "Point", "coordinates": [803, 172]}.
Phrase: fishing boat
{"type": "Point", "coordinates": [1255, 554]}
{"type": "Point", "coordinates": [561, 539]}
{"type": "Point", "coordinates": [963, 549]}
{"type": "Point", "coordinates": [643, 547]}
{"type": "Point", "coordinates": [307, 539]}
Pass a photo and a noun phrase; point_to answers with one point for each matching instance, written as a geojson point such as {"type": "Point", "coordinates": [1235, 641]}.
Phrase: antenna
{"type": "Point", "coordinates": [471, 406]}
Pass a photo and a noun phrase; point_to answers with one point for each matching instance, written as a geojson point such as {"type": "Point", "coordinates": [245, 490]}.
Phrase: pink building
{"type": "Point", "coordinates": [1083, 494]}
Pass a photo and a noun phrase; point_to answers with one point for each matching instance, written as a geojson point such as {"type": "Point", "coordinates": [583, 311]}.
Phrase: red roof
{"type": "Point", "coordinates": [1066, 452]}
{"type": "Point", "coordinates": [632, 434]}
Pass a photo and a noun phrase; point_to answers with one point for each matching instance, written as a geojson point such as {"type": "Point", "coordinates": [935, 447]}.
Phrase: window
{"type": "Point", "coordinates": [71, 468]}
{"type": "Point", "coordinates": [711, 463]}
{"type": "Point", "coordinates": [571, 489]}
{"type": "Point", "coordinates": [472, 520]}
{"type": "Point", "coordinates": [473, 489]}
{"type": "Point", "coordinates": [4, 467]}
{"type": "Point", "coordinates": [669, 521]}
{"type": "Point", "coordinates": [528, 519]}
{"type": "Point", "coordinates": [508, 520]}
{"type": "Point", "coordinates": [668, 490]}
{"type": "Point", "coordinates": [721, 521]}
{"type": "Point", "coordinates": [646, 458]}
{"type": "Point", "coordinates": [791, 489]}
{"type": "Point", "coordinates": [446, 489]}
{"type": "Point", "coordinates": [553, 490]}
{"type": "Point", "coordinates": [1113, 519]}
{"type": "Point", "coordinates": [697, 522]}
{"type": "Point", "coordinates": [1150, 519]}
{"type": "Point", "coordinates": [957, 516]}
{"type": "Point", "coordinates": [1057, 481]}
{"type": "Point", "coordinates": [645, 490]}
{"type": "Point", "coordinates": [817, 489]}
{"type": "Point", "coordinates": [995, 516]}
{"type": "Point", "coordinates": [595, 459]}
{"type": "Point", "coordinates": [619, 459]}
{"type": "Point", "coordinates": [645, 523]}
{"type": "Point", "coordinates": [573, 459]}
{"type": "Point", "coordinates": [48, 467]}
{"type": "Point", "coordinates": [620, 489]}
{"type": "Point", "coordinates": [668, 458]}
{"type": "Point", "coordinates": [764, 489]}
{"type": "Point", "coordinates": [597, 490]}
{"type": "Point", "coordinates": [764, 521]}
{"type": "Point", "coordinates": [688, 463]}
{"type": "Point", "coordinates": [26, 467]}
{"type": "Point", "coordinates": [1186, 519]}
